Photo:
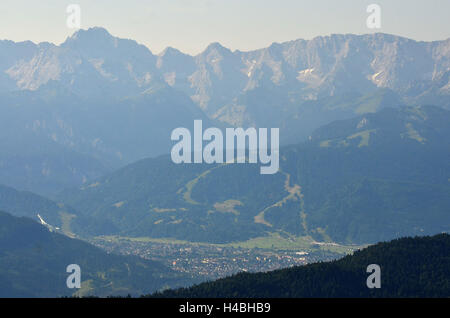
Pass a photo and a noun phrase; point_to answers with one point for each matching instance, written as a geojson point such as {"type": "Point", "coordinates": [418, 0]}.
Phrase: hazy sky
{"type": "Point", "coordinates": [190, 25]}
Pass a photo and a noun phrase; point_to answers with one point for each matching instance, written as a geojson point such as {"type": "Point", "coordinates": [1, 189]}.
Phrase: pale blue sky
{"type": "Point", "coordinates": [190, 25]}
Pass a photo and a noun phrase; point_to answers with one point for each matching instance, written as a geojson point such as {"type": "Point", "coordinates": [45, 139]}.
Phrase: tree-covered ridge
{"type": "Point", "coordinates": [363, 180]}
{"type": "Point", "coordinates": [24, 203]}
{"type": "Point", "coordinates": [410, 267]}
{"type": "Point", "coordinates": [33, 263]}
{"type": "Point", "coordinates": [56, 215]}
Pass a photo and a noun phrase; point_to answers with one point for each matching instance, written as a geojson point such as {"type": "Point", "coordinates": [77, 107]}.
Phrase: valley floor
{"type": "Point", "coordinates": [212, 261]}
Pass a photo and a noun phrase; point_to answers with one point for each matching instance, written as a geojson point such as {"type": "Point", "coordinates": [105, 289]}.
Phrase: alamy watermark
{"type": "Point", "coordinates": [241, 146]}
{"type": "Point", "coordinates": [74, 19]}
{"type": "Point", "coordinates": [374, 279]}
{"type": "Point", "coordinates": [74, 279]}
{"type": "Point", "coordinates": [374, 19]}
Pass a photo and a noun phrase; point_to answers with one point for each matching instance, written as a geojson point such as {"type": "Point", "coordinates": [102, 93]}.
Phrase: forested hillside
{"type": "Point", "coordinates": [33, 263]}
{"type": "Point", "coordinates": [356, 181]}
{"type": "Point", "coordinates": [410, 267]}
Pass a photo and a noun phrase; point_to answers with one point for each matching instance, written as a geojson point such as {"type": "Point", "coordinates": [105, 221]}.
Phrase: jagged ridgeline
{"type": "Point", "coordinates": [410, 267]}
{"type": "Point", "coordinates": [72, 112]}
{"type": "Point", "coordinates": [374, 177]}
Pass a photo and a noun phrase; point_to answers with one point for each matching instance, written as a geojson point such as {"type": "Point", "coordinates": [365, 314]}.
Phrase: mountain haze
{"type": "Point", "coordinates": [33, 263]}
{"type": "Point", "coordinates": [98, 102]}
{"type": "Point", "coordinates": [85, 141]}
{"type": "Point", "coordinates": [374, 177]}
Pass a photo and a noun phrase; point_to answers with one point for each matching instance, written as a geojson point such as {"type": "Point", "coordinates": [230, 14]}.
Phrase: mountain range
{"type": "Point", "coordinates": [99, 102]}
{"type": "Point", "coordinates": [217, 77]}
{"type": "Point", "coordinates": [356, 181]}
{"type": "Point", "coordinates": [85, 131]}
